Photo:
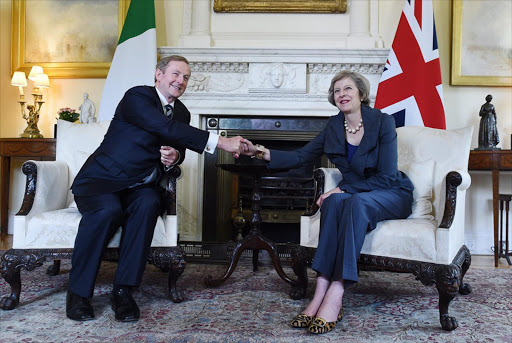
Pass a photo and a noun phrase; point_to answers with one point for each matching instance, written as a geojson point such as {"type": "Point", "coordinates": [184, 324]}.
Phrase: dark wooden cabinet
{"type": "Point", "coordinates": [495, 161]}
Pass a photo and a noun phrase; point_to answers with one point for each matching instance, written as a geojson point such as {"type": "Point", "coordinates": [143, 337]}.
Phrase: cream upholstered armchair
{"type": "Point", "coordinates": [430, 242]}
{"type": "Point", "coordinates": [47, 223]}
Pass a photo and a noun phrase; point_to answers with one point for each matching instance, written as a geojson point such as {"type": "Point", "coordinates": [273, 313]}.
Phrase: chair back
{"type": "Point", "coordinates": [447, 149]}
{"type": "Point", "coordinates": [75, 143]}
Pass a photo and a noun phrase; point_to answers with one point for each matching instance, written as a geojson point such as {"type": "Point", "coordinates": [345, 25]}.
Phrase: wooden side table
{"type": "Point", "coordinates": [255, 240]}
{"type": "Point", "coordinates": [19, 147]}
{"type": "Point", "coordinates": [495, 161]}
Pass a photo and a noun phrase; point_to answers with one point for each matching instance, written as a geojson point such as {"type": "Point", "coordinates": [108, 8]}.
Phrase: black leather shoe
{"type": "Point", "coordinates": [78, 308]}
{"type": "Point", "coordinates": [124, 306]}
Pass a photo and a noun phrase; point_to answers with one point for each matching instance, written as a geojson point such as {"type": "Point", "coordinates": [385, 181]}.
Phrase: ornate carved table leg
{"type": "Point", "coordinates": [254, 241]}
{"type": "Point", "coordinates": [235, 256]}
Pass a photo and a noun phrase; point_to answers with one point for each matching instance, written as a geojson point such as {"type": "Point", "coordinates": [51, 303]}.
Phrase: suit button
{"type": "Point", "coordinates": [207, 148]}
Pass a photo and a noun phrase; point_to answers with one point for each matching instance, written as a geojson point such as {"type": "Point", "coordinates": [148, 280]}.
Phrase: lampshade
{"type": "Point", "coordinates": [42, 81]}
{"type": "Point", "coordinates": [34, 72]}
{"type": "Point", "coordinates": [19, 79]}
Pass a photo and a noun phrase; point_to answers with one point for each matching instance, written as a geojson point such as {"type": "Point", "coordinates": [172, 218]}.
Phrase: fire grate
{"type": "Point", "coordinates": [218, 252]}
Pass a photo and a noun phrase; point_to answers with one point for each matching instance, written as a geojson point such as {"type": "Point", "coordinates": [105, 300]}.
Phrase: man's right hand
{"type": "Point", "coordinates": [234, 145]}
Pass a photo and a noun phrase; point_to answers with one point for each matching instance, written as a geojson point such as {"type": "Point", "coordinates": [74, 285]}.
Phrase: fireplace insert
{"type": "Point", "coordinates": [286, 195]}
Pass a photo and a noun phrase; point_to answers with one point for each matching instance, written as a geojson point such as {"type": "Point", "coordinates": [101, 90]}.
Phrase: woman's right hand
{"type": "Point", "coordinates": [324, 196]}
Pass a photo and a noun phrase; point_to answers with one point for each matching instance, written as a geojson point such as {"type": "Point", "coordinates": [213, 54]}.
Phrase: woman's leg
{"type": "Point", "coordinates": [322, 285]}
{"type": "Point", "coordinates": [332, 301]}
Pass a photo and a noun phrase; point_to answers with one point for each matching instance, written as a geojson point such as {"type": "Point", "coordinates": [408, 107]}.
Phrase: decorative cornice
{"type": "Point", "coordinates": [222, 67]}
{"type": "Point", "coordinates": [329, 68]}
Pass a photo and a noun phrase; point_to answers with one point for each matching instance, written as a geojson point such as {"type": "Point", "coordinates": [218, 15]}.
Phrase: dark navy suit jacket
{"type": "Point", "coordinates": [374, 165]}
{"type": "Point", "coordinates": [130, 150]}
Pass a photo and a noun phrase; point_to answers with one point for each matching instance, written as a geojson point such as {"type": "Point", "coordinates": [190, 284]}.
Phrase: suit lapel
{"type": "Point", "coordinates": [371, 122]}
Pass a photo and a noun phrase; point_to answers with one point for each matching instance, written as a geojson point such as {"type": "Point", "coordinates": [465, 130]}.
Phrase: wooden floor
{"type": "Point", "coordinates": [477, 261]}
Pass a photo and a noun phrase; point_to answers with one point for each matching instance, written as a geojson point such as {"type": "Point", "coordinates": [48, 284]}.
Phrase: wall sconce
{"type": "Point", "coordinates": [40, 81]}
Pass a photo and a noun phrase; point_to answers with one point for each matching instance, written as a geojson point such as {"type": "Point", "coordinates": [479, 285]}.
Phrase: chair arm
{"type": "Point", "coordinates": [325, 180]}
{"type": "Point", "coordinates": [46, 187]}
{"type": "Point", "coordinates": [455, 181]}
{"type": "Point", "coordinates": [170, 186]}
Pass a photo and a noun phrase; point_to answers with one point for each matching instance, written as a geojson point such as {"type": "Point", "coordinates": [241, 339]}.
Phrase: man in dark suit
{"type": "Point", "coordinates": [118, 185]}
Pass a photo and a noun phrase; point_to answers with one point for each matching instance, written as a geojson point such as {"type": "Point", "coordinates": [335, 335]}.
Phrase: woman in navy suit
{"type": "Point", "coordinates": [361, 142]}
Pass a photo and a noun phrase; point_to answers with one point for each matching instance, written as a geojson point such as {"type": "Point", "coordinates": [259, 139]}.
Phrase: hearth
{"type": "Point", "coordinates": [286, 195]}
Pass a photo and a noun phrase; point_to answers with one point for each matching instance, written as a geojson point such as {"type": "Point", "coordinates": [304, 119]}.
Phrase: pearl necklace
{"type": "Point", "coordinates": [349, 130]}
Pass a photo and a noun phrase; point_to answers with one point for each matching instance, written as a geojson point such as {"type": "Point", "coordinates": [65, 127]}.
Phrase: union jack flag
{"type": "Point", "coordinates": [411, 87]}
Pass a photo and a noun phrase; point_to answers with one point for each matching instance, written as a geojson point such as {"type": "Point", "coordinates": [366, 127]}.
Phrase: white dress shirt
{"type": "Point", "coordinates": [213, 138]}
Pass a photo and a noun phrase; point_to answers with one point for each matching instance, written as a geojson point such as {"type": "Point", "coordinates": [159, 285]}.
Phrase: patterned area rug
{"type": "Point", "coordinates": [255, 307]}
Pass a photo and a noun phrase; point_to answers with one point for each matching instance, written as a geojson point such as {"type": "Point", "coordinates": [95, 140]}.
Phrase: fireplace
{"type": "Point", "coordinates": [286, 195]}
{"type": "Point", "coordinates": [231, 84]}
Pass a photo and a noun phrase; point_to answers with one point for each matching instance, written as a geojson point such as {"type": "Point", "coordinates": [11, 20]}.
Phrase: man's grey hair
{"type": "Point", "coordinates": [164, 62]}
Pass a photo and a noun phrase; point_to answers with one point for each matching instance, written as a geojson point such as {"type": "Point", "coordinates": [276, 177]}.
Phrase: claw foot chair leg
{"type": "Point", "coordinates": [465, 288]}
{"type": "Point", "coordinates": [448, 322]}
{"type": "Point", "coordinates": [11, 274]}
{"type": "Point", "coordinates": [448, 282]}
{"type": "Point", "coordinates": [11, 263]}
{"type": "Point", "coordinates": [170, 260]}
{"type": "Point", "coordinates": [54, 269]}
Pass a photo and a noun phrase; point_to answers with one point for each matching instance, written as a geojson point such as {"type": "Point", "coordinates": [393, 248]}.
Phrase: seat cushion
{"type": "Point", "coordinates": [411, 239]}
{"type": "Point", "coordinates": [58, 229]}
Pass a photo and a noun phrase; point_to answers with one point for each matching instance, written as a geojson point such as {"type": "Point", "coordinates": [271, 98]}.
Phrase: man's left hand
{"type": "Point", "coordinates": [169, 155]}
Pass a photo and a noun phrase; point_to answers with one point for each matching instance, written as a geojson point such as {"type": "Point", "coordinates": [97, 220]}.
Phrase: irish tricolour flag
{"type": "Point", "coordinates": [135, 57]}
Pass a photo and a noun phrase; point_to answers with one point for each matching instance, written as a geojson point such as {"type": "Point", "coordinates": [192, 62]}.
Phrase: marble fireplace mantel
{"type": "Point", "coordinates": [258, 82]}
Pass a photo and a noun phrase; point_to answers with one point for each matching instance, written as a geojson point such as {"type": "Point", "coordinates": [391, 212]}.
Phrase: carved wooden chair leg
{"type": "Point", "coordinates": [465, 288]}
{"type": "Point", "coordinates": [54, 269]}
{"type": "Point", "coordinates": [11, 274]}
{"type": "Point", "coordinates": [170, 260]}
{"type": "Point", "coordinates": [177, 267]}
{"type": "Point", "coordinates": [11, 263]}
{"type": "Point", "coordinates": [448, 280]}
{"type": "Point", "coordinates": [448, 322]}
{"type": "Point", "coordinates": [300, 258]}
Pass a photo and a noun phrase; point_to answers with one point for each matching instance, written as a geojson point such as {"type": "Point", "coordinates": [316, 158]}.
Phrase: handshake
{"type": "Point", "coordinates": [241, 146]}
{"type": "Point", "coordinates": [235, 145]}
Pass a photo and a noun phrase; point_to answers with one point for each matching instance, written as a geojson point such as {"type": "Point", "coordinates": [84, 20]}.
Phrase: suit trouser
{"type": "Point", "coordinates": [136, 211]}
{"type": "Point", "coordinates": [344, 221]}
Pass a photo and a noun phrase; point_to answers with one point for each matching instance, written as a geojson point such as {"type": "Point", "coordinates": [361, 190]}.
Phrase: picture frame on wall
{"type": "Point", "coordinates": [280, 6]}
{"type": "Point", "coordinates": [69, 39]}
{"type": "Point", "coordinates": [481, 43]}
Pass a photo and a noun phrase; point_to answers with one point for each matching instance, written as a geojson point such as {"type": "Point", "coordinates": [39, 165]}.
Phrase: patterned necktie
{"type": "Point", "coordinates": [169, 111]}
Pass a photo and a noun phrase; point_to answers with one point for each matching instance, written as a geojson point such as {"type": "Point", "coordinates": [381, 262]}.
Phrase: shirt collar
{"type": "Point", "coordinates": [163, 100]}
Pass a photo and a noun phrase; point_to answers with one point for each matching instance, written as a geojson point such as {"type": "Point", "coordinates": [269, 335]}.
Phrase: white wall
{"type": "Point", "coordinates": [294, 31]}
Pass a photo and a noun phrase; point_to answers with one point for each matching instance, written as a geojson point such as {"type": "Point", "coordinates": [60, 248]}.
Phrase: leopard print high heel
{"type": "Point", "coordinates": [320, 325]}
{"type": "Point", "coordinates": [301, 321]}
